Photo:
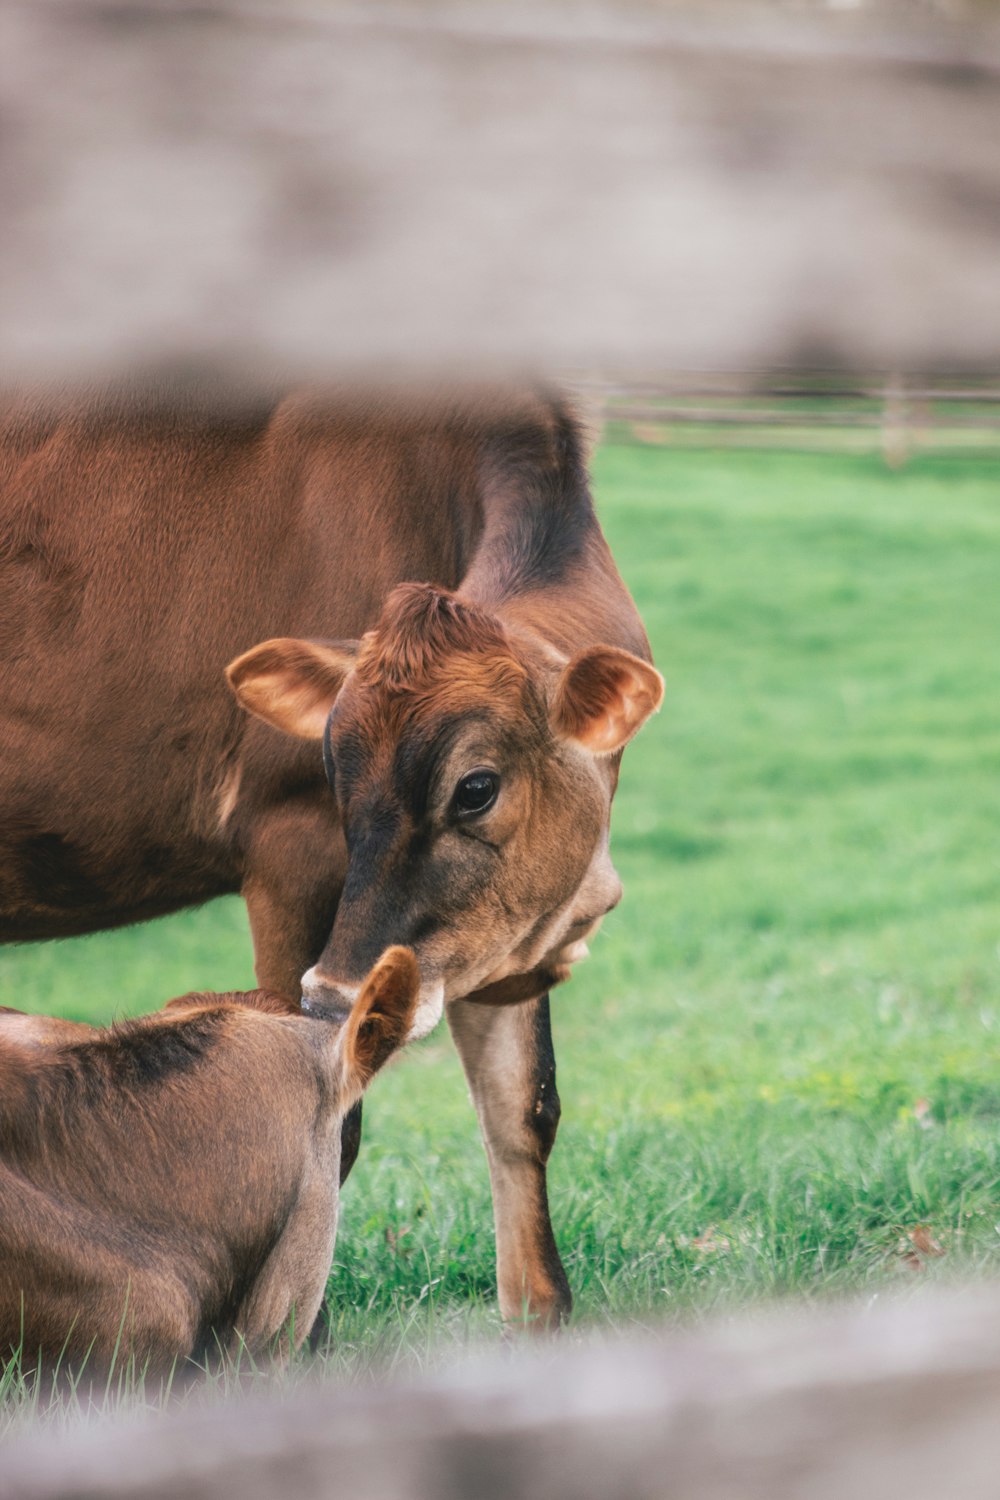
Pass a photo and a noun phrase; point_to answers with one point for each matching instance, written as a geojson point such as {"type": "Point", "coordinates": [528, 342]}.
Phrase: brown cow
{"type": "Point", "coordinates": [148, 539]}
{"type": "Point", "coordinates": [168, 1187]}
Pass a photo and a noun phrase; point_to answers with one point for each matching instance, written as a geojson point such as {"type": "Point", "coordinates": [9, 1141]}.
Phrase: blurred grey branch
{"type": "Point", "coordinates": [327, 190]}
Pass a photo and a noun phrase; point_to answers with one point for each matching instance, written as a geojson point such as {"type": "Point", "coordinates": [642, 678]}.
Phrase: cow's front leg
{"type": "Point", "coordinates": [294, 871]}
{"type": "Point", "coordinates": [290, 920]}
{"type": "Point", "coordinates": [291, 912]}
{"type": "Point", "coordinates": [508, 1059]}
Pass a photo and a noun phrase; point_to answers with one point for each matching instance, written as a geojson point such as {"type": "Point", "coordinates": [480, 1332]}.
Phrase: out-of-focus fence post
{"type": "Point", "coordinates": [895, 411]}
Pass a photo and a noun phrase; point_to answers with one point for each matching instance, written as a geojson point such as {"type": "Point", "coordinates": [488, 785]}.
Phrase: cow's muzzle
{"type": "Point", "coordinates": [327, 999]}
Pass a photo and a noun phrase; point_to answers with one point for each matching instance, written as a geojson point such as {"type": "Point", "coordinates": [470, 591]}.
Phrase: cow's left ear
{"type": "Point", "coordinates": [604, 697]}
{"type": "Point", "coordinates": [292, 684]}
{"type": "Point", "coordinates": [380, 1018]}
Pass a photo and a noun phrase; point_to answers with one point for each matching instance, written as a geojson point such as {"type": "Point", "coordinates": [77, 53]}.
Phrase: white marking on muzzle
{"type": "Point", "coordinates": [313, 983]}
{"type": "Point", "coordinates": [322, 992]}
{"type": "Point", "coordinates": [430, 1000]}
{"type": "Point", "coordinates": [430, 1008]}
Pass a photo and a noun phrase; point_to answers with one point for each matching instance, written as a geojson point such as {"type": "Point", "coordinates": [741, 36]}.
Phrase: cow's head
{"type": "Point", "coordinates": [473, 769]}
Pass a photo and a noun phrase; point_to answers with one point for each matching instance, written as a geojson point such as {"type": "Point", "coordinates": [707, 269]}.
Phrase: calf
{"type": "Point", "coordinates": [169, 1186]}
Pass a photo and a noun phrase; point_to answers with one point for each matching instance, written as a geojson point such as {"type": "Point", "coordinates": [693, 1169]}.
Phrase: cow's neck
{"type": "Point", "coordinates": [554, 579]}
{"type": "Point", "coordinates": [566, 618]}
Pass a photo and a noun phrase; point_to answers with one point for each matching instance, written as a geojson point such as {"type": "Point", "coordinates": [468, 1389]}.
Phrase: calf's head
{"type": "Point", "coordinates": [473, 769]}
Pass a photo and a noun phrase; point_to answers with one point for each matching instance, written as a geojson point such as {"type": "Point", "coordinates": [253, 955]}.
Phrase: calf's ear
{"type": "Point", "coordinates": [604, 697]}
{"type": "Point", "coordinates": [381, 1017]}
{"type": "Point", "coordinates": [292, 684]}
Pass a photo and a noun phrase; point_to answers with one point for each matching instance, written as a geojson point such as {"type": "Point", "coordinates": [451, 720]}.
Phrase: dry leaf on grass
{"type": "Point", "coordinates": [917, 1247]}
{"type": "Point", "coordinates": [393, 1236]}
{"type": "Point", "coordinates": [921, 1239]}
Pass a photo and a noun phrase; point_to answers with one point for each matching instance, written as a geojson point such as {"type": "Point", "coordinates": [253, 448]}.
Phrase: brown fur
{"type": "Point", "coordinates": [427, 640]}
{"type": "Point", "coordinates": [266, 1001]}
{"type": "Point", "coordinates": [168, 1186]}
{"type": "Point", "coordinates": [148, 537]}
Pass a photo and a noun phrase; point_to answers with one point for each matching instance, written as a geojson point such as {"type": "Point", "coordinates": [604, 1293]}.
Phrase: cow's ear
{"type": "Point", "coordinates": [381, 1018]}
{"type": "Point", "coordinates": [292, 684]}
{"type": "Point", "coordinates": [603, 697]}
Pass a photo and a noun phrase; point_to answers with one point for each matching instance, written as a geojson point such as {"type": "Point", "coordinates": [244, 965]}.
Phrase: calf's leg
{"type": "Point", "coordinates": [510, 1065]}
{"type": "Point", "coordinates": [286, 1301]}
{"type": "Point", "coordinates": [82, 1292]}
{"type": "Point", "coordinates": [290, 920]}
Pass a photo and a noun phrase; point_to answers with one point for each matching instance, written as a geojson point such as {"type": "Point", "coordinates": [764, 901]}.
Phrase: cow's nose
{"type": "Point", "coordinates": [326, 998]}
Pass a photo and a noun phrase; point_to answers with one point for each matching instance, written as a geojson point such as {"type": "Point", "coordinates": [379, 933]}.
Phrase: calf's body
{"type": "Point", "coordinates": [169, 1186]}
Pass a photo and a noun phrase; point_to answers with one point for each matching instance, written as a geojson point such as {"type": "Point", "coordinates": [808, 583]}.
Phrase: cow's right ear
{"type": "Point", "coordinates": [292, 684]}
{"type": "Point", "coordinates": [604, 697]}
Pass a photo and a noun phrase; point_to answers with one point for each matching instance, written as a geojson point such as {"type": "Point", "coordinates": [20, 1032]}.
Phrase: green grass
{"type": "Point", "coordinates": [785, 1053]}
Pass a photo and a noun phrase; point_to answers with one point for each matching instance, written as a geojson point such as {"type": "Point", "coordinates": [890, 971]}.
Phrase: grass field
{"type": "Point", "coordinates": [780, 1070]}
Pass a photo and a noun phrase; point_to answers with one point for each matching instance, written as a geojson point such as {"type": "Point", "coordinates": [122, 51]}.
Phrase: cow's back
{"type": "Point", "coordinates": [145, 542]}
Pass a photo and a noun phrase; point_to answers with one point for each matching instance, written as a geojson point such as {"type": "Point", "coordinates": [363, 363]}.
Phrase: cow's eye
{"type": "Point", "coordinates": [476, 792]}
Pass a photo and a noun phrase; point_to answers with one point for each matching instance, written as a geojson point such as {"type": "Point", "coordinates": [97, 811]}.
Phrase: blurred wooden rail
{"type": "Point", "coordinates": [774, 416]}
{"type": "Point", "coordinates": [898, 1402]}
{"type": "Point", "coordinates": [327, 189]}
{"type": "Point", "coordinates": [816, 412]}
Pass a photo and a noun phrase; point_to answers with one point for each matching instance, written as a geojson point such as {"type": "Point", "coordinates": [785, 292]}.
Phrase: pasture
{"type": "Point", "coordinates": [780, 1069]}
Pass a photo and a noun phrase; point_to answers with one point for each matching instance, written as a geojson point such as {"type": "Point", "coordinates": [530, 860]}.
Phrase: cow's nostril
{"type": "Point", "coordinates": [325, 1005]}
{"type": "Point", "coordinates": [323, 998]}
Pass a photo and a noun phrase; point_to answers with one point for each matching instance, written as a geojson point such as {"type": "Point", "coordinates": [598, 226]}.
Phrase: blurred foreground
{"type": "Point", "coordinates": [898, 1401]}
